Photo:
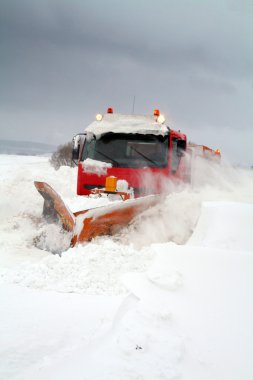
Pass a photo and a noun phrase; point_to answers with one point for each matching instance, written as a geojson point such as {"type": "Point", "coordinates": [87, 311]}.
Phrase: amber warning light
{"type": "Point", "coordinates": [99, 117]}
{"type": "Point", "coordinates": [156, 113]}
{"type": "Point", "coordinates": [110, 110]}
{"type": "Point", "coordinates": [111, 184]}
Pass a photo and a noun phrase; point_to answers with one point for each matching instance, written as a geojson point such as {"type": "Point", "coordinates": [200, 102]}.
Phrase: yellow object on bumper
{"type": "Point", "coordinates": [111, 184]}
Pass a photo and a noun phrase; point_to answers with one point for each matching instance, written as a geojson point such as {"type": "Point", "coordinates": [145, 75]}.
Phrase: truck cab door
{"type": "Point", "coordinates": [177, 152]}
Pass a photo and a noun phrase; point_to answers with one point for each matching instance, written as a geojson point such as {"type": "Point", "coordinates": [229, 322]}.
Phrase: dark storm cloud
{"type": "Point", "coordinates": [167, 39]}
{"type": "Point", "coordinates": [62, 61]}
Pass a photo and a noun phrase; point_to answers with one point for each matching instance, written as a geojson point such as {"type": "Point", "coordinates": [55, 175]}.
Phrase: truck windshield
{"type": "Point", "coordinates": [129, 150]}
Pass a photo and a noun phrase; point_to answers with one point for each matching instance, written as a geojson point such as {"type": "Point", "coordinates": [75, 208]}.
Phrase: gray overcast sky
{"type": "Point", "coordinates": [61, 62]}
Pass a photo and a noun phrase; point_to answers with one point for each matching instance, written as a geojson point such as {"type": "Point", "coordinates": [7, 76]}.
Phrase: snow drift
{"type": "Point", "coordinates": [169, 297]}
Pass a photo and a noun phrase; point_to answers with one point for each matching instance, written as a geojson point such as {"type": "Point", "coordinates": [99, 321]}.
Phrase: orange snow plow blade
{"type": "Point", "coordinates": [54, 208]}
{"type": "Point", "coordinates": [87, 224]}
{"type": "Point", "coordinates": [107, 220]}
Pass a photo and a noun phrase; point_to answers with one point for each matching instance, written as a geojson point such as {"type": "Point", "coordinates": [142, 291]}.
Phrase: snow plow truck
{"type": "Point", "coordinates": [130, 157]}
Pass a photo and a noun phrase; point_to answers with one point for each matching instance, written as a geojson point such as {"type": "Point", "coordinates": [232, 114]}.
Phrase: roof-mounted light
{"type": "Point", "coordinates": [99, 117]}
{"type": "Point", "coordinates": [161, 119]}
{"type": "Point", "coordinates": [110, 110]}
{"type": "Point", "coordinates": [156, 113]}
{"type": "Point", "coordinates": [217, 151]}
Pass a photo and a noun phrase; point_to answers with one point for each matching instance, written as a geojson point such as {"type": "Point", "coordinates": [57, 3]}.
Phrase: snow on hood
{"type": "Point", "coordinates": [118, 123]}
{"type": "Point", "coordinates": [95, 166]}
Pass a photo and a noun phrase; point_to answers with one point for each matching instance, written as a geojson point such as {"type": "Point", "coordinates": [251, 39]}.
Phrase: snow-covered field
{"type": "Point", "coordinates": [169, 297]}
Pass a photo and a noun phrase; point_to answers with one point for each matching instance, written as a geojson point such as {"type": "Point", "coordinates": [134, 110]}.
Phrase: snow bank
{"type": "Point", "coordinates": [189, 316]}
{"type": "Point", "coordinates": [226, 225]}
{"type": "Point", "coordinates": [40, 328]}
{"type": "Point", "coordinates": [95, 268]}
{"type": "Point", "coordinates": [205, 296]}
{"type": "Point", "coordinates": [174, 220]}
{"type": "Point", "coordinates": [182, 310]}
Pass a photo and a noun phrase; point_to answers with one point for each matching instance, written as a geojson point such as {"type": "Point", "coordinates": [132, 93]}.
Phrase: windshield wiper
{"type": "Point", "coordinates": [143, 155]}
{"type": "Point", "coordinates": [109, 158]}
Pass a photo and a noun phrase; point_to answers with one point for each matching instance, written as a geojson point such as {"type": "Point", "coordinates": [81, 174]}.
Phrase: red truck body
{"type": "Point", "coordinates": [143, 180]}
{"type": "Point", "coordinates": [144, 137]}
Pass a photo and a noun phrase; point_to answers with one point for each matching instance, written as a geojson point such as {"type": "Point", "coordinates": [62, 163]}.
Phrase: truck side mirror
{"type": "Point", "coordinates": [78, 141]}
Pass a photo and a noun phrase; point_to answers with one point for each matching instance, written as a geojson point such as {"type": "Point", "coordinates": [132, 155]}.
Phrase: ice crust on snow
{"type": "Point", "coordinates": [117, 123]}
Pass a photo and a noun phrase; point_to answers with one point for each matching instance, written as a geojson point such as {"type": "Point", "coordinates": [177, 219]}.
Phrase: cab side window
{"type": "Point", "coordinates": [178, 149]}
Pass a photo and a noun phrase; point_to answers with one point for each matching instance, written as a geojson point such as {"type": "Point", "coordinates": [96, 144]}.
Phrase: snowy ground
{"type": "Point", "coordinates": [170, 297]}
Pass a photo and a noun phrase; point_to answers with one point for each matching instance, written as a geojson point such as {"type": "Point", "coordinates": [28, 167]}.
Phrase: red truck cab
{"type": "Point", "coordinates": [141, 150]}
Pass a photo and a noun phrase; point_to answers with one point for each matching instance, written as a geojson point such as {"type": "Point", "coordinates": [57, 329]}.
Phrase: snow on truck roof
{"type": "Point", "coordinates": [117, 123]}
